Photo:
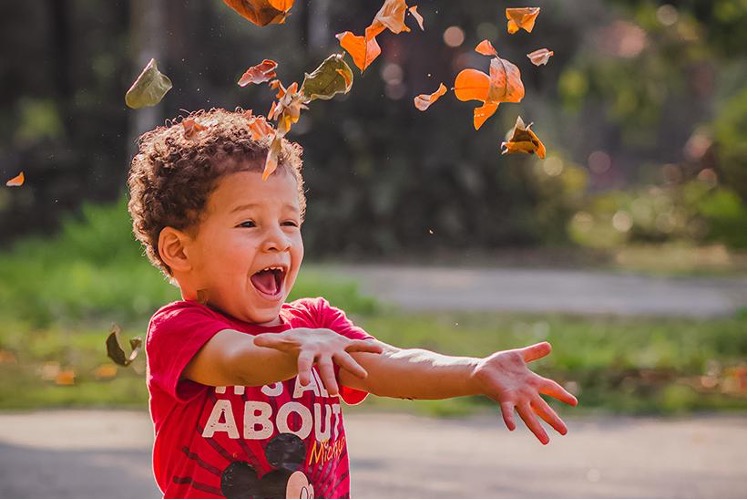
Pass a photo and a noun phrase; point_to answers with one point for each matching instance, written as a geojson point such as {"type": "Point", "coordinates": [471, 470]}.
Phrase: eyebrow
{"type": "Point", "coordinates": [249, 206]}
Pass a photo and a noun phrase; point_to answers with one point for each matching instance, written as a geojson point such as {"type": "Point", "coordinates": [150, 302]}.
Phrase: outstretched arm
{"type": "Point", "coordinates": [502, 376]}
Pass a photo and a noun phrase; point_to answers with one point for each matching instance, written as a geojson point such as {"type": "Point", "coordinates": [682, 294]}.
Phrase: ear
{"type": "Point", "coordinates": [171, 248]}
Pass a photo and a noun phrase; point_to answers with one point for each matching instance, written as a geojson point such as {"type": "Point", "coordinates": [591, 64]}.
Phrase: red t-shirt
{"type": "Point", "coordinates": [244, 442]}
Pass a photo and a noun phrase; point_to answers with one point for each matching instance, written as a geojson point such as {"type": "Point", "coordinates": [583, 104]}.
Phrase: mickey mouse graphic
{"type": "Point", "coordinates": [285, 452]}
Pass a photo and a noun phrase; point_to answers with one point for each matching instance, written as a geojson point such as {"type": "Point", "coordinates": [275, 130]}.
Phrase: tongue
{"type": "Point", "coordinates": [264, 281]}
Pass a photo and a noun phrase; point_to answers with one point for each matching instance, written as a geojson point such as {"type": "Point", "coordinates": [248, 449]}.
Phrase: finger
{"type": "Point", "coordinates": [555, 390]}
{"type": "Point", "coordinates": [304, 364]}
{"type": "Point", "coordinates": [364, 346]}
{"type": "Point", "coordinates": [535, 351]}
{"type": "Point", "coordinates": [507, 412]}
{"type": "Point", "coordinates": [346, 361]}
{"type": "Point", "coordinates": [528, 417]}
{"type": "Point", "coordinates": [544, 411]}
{"type": "Point", "coordinates": [327, 374]}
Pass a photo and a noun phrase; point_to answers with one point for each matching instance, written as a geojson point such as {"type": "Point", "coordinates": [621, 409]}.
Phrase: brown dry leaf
{"type": "Point", "coordinates": [149, 88]}
{"type": "Point", "coordinates": [271, 163]}
{"type": "Point", "coordinates": [363, 49]}
{"type": "Point", "coordinates": [506, 82]}
{"type": "Point", "coordinates": [522, 140]}
{"type": "Point", "coordinates": [259, 73]}
{"type": "Point", "coordinates": [115, 351]}
{"type": "Point", "coordinates": [105, 371]}
{"type": "Point", "coordinates": [540, 56]}
{"type": "Point", "coordinates": [192, 127]}
{"type": "Point", "coordinates": [259, 128]}
{"type": "Point", "coordinates": [392, 16]}
{"type": "Point", "coordinates": [521, 18]}
{"type": "Point", "coordinates": [16, 181]}
{"type": "Point", "coordinates": [423, 101]}
{"type": "Point", "coordinates": [262, 12]}
{"type": "Point", "coordinates": [483, 113]}
{"type": "Point", "coordinates": [418, 17]}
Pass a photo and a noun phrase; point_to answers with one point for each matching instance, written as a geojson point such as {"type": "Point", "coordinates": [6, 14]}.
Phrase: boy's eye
{"type": "Point", "coordinates": [290, 223]}
{"type": "Point", "coordinates": [247, 223]}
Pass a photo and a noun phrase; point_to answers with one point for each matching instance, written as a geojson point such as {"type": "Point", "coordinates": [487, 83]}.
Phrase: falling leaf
{"type": "Point", "coordinates": [363, 49]}
{"type": "Point", "coordinates": [271, 163]}
{"type": "Point", "coordinates": [423, 101]}
{"type": "Point", "coordinates": [523, 18]}
{"type": "Point", "coordinates": [418, 17]}
{"type": "Point", "coordinates": [16, 181]}
{"type": "Point", "coordinates": [540, 56]}
{"type": "Point", "coordinates": [116, 353]}
{"type": "Point", "coordinates": [486, 48]}
{"type": "Point", "coordinates": [287, 110]}
{"type": "Point", "coordinates": [522, 140]}
{"type": "Point", "coordinates": [259, 128]}
{"type": "Point", "coordinates": [332, 77]}
{"type": "Point", "coordinates": [262, 12]}
{"type": "Point", "coordinates": [192, 127]}
{"type": "Point", "coordinates": [392, 16]}
{"type": "Point", "coordinates": [259, 73]}
{"type": "Point", "coordinates": [502, 84]}
{"type": "Point", "coordinates": [149, 88]}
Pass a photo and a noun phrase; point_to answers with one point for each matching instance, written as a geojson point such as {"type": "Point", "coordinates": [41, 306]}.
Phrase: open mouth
{"type": "Point", "coordinates": [269, 281]}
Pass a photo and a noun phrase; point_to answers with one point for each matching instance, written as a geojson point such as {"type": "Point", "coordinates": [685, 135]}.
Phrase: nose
{"type": "Point", "coordinates": [275, 240]}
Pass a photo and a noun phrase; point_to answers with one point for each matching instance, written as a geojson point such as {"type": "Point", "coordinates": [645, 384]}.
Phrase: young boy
{"type": "Point", "coordinates": [246, 389]}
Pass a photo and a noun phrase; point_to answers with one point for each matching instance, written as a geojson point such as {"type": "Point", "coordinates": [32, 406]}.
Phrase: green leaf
{"type": "Point", "coordinates": [150, 87]}
{"type": "Point", "coordinates": [333, 76]}
{"type": "Point", "coordinates": [115, 351]}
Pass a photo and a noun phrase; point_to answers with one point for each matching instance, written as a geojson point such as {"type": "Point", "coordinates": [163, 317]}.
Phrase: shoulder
{"type": "Point", "coordinates": [182, 310]}
{"type": "Point", "coordinates": [319, 313]}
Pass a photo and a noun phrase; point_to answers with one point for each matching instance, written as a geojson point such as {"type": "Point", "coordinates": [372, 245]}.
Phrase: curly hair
{"type": "Point", "coordinates": [178, 166]}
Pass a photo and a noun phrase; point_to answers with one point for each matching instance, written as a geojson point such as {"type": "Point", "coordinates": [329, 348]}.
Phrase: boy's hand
{"type": "Point", "coordinates": [505, 378]}
{"type": "Point", "coordinates": [322, 347]}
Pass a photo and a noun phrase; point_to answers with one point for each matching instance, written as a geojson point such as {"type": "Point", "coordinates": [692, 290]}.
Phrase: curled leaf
{"type": "Point", "coordinates": [483, 113]}
{"type": "Point", "coordinates": [540, 56]}
{"type": "Point", "coordinates": [332, 77]}
{"type": "Point", "coordinates": [271, 163]}
{"type": "Point", "coordinates": [392, 16]}
{"type": "Point", "coordinates": [116, 353]}
{"type": "Point", "coordinates": [363, 49]}
{"type": "Point", "coordinates": [521, 18]}
{"type": "Point", "coordinates": [192, 127]}
{"type": "Point", "coordinates": [486, 48]}
{"type": "Point", "coordinates": [506, 82]}
{"type": "Point", "coordinates": [259, 127]}
{"type": "Point", "coordinates": [259, 73]}
{"type": "Point", "coordinates": [418, 17]}
{"type": "Point", "coordinates": [423, 101]}
{"type": "Point", "coordinates": [522, 140]}
{"type": "Point", "coordinates": [262, 12]}
{"type": "Point", "coordinates": [149, 88]}
{"type": "Point", "coordinates": [16, 181]}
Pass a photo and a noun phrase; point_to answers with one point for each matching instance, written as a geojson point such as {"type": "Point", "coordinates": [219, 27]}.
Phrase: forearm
{"type": "Point", "coordinates": [414, 374]}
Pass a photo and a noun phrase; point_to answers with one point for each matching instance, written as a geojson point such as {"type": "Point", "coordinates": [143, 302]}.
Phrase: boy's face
{"type": "Point", "coordinates": [248, 248]}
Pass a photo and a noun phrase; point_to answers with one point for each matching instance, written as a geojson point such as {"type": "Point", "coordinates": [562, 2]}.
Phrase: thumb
{"type": "Point", "coordinates": [271, 340]}
{"type": "Point", "coordinates": [535, 351]}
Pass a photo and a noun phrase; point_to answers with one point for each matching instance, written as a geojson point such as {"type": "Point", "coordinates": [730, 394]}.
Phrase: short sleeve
{"type": "Point", "coordinates": [175, 334]}
{"type": "Point", "coordinates": [336, 320]}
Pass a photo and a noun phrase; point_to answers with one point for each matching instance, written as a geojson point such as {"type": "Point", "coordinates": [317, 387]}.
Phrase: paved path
{"type": "Point", "coordinates": [106, 454]}
{"type": "Point", "coordinates": [546, 290]}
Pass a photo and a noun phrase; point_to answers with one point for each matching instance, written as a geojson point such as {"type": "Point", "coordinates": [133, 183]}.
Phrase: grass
{"type": "Point", "coordinates": [59, 297]}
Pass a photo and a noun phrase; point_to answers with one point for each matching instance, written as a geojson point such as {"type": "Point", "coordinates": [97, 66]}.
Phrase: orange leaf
{"type": "Point", "coordinates": [522, 140]}
{"type": "Point", "coordinates": [191, 127]}
{"type": "Point", "coordinates": [523, 18]}
{"type": "Point", "coordinates": [262, 12]}
{"type": "Point", "coordinates": [418, 17]}
{"type": "Point", "coordinates": [423, 101]}
{"type": "Point", "coordinates": [259, 128]}
{"type": "Point", "coordinates": [259, 73]}
{"type": "Point", "coordinates": [16, 181]}
{"type": "Point", "coordinates": [362, 49]}
{"type": "Point", "coordinates": [392, 15]}
{"type": "Point", "coordinates": [483, 113]}
{"type": "Point", "coordinates": [65, 377]}
{"type": "Point", "coordinates": [485, 48]}
{"type": "Point", "coordinates": [271, 163]}
{"type": "Point", "coordinates": [540, 56]}
{"type": "Point", "coordinates": [472, 84]}
{"type": "Point", "coordinates": [506, 82]}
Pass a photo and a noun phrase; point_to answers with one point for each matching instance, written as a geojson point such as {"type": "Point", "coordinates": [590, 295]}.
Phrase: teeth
{"type": "Point", "coordinates": [273, 268]}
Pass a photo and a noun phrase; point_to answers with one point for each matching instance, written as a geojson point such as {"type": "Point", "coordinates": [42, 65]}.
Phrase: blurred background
{"type": "Point", "coordinates": [642, 110]}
